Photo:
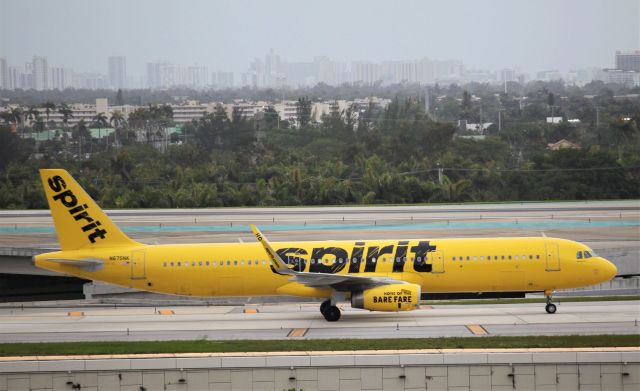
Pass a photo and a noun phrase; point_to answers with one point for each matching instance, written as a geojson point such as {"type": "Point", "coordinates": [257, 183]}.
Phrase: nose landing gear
{"type": "Point", "coordinates": [550, 307]}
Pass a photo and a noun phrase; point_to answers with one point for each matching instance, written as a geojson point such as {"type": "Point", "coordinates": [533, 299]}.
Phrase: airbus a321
{"type": "Point", "coordinates": [377, 275]}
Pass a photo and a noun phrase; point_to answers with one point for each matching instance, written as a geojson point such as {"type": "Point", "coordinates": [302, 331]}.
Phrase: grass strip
{"type": "Point", "coordinates": [205, 346]}
{"type": "Point", "coordinates": [568, 299]}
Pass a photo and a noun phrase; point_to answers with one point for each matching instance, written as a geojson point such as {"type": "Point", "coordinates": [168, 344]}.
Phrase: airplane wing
{"type": "Point", "coordinates": [340, 282]}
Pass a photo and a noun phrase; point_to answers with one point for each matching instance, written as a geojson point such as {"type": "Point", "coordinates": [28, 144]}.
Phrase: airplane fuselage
{"type": "Point", "coordinates": [439, 265]}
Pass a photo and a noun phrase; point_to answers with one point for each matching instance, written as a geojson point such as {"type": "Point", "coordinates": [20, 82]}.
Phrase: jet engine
{"type": "Point", "coordinates": [391, 298]}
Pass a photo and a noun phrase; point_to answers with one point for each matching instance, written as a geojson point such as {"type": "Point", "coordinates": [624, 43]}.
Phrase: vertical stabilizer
{"type": "Point", "coordinates": [78, 220]}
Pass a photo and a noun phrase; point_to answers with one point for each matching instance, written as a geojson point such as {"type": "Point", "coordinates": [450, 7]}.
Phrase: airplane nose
{"type": "Point", "coordinates": [608, 269]}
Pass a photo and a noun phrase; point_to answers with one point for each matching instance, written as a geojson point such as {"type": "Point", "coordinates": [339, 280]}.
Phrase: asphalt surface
{"type": "Point", "coordinates": [280, 321]}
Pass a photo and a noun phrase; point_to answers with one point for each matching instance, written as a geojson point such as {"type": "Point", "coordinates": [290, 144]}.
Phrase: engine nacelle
{"type": "Point", "coordinates": [394, 297]}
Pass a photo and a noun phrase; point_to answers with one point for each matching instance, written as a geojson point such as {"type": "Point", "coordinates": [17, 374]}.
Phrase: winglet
{"type": "Point", "coordinates": [278, 264]}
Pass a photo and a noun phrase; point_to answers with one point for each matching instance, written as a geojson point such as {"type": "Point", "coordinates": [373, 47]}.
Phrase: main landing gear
{"type": "Point", "coordinates": [330, 312]}
{"type": "Point", "coordinates": [550, 307]}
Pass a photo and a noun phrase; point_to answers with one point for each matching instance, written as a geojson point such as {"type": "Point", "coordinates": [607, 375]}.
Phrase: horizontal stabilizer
{"type": "Point", "coordinates": [89, 264]}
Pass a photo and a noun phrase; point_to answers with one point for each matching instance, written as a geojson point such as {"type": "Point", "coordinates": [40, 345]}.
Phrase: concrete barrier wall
{"type": "Point", "coordinates": [505, 370]}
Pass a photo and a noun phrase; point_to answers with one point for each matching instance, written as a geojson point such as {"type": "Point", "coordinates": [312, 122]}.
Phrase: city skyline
{"type": "Point", "coordinates": [271, 71]}
{"type": "Point", "coordinates": [228, 35]}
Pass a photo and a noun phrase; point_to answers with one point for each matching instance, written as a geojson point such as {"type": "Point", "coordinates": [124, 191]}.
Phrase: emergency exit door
{"type": "Point", "coordinates": [138, 270]}
{"type": "Point", "coordinates": [436, 259]}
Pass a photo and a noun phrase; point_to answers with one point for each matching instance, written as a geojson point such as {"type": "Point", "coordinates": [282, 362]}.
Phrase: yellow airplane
{"type": "Point", "coordinates": [378, 275]}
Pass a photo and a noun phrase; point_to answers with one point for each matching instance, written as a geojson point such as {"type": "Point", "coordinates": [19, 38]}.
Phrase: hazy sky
{"type": "Point", "coordinates": [227, 35]}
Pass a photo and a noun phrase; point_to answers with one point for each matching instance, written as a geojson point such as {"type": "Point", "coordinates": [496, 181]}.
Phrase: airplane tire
{"type": "Point", "coordinates": [324, 306]}
{"type": "Point", "coordinates": [331, 313]}
{"type": "Point", "coordinates": [551, 308]}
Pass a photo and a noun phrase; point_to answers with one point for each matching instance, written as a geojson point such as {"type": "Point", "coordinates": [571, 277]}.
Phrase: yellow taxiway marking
{"type": "Point", "coordinates": [477, 329]}
{"type": "Point", "coordinates": [297, 332]}
{"type": "Point", "coordinates": [75, 313]}
{"type": "Point", "coordinates": [166, 312]}
{"type": "Point", "coordinates": [250, 310]}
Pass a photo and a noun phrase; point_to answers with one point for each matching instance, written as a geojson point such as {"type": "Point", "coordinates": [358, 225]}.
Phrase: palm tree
{"type": "Point", "coordinates": [117, 120]}
{"type": "Point", "coordinates": [100, 120]}
{"type": "Point", "coordinates": [66, 112]}
{"type": "Point", "coordinates": [48, 108]}
{"type": "Point", "coordinates": [82, 132]}
{"type": "Point", "coordinates": [17, 115]}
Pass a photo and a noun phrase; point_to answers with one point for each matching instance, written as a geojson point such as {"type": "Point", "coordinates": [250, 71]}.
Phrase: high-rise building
{"type": "Point", "coordinates": [628, 60]}
{"type": "Point", "coordinates": [117, 72]}
{"type": "Point", "coordinates": [153, 75]}
{"type": "Point", "coordinates": [507, 75]}
{"type": "Point", "coordinates": [60, 78]}
{"type": "Point", "coordinates": [4, 74]}
{"type": "Point", "coordinates": [365, 72]}
{"type": "Point", "coordinates": [222, 79]}
{"type": "Point", "coordinates": [40, 72]}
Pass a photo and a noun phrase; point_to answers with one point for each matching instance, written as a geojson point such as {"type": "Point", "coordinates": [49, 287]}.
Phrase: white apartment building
{"type": "Point", "coordinates": [117, 66]}
{"type": "Point", "coordinates": [60, 78]}
{"type": "Point", "coordinates": [191, 110]}
{"type": "Point", "coordinates": [40, 73]}
{"type": "Point", "coordinates": [4, 74]}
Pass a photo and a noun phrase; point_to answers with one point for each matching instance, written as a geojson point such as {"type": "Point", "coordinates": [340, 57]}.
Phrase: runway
{"type": "Point", "coordinates": [303, 321]}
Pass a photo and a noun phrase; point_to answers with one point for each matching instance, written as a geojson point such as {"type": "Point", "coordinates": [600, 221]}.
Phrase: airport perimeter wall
{"type": "Point", "coordinates": [537, 369]}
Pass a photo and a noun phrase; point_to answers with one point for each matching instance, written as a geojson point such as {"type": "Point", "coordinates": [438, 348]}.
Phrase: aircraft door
{"type": "Point", "coordinates": [436, 259]}
{"type": "Point", "coordinates": [138, 267]}
{"type": "Point", "coordinates": [553, 257]}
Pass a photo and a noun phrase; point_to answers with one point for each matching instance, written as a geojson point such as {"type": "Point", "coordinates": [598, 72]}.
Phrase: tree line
{"type": "Point", "coordinates": [406, 152]}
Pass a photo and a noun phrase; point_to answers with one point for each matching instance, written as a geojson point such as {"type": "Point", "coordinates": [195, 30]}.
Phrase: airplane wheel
{"type": "Point", "coordinates": [331, 313]}
{"type": "Point", "coordinates": [551, 308]}
{"type": "Point", "coordinates": [324, 306]}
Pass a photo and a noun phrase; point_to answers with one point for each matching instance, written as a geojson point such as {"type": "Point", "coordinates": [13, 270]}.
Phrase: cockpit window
{"type": "Point", "coordinates": [579, 255]}
{"type": "Point", "coordinates": [588, 254]}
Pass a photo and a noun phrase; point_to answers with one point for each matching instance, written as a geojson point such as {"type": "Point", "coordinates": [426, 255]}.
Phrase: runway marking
{"type": "Point", "coordinates": [166, 312]}
{"type": "Point", "coordinates": [298, 332]}
{"type": "Point", "coordinates": [250, 310]}
{"type": "Point", "coordinates": [75, 313]}
{"type": "Point", "coordinates": [477, 329]}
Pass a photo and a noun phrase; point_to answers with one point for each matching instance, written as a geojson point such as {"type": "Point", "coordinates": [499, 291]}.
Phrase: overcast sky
{"type": "Point", "coordinates": [227, 35]}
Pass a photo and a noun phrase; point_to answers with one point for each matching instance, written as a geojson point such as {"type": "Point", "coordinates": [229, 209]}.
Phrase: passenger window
{"type": "Point", "coordinates": [502, 257]}
{"type": "Point", "coordinates": [538, 256]}
{"type": "Point", "coordinates": [452, 258]}
{"type": "Point", "coordinates": [475, 258]}
{"type": "Point", "coordinates": [213, 263]}
{"type": "Point", "coordinates": [482, 258]}
{"type": "Point", "coordinates": [200, 263]}
{"type": "Point", "coordinates": [488, 257]}
{"type": "Point", "coordinates": [509, 257]}
{"type": "Point", "coordinates": [468, 258]}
